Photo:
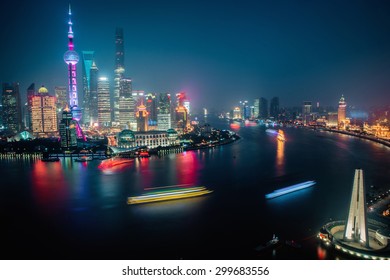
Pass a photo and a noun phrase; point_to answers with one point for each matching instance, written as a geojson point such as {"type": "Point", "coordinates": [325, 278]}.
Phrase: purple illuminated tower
{"type": "Point", "coordinates": [71, 58]}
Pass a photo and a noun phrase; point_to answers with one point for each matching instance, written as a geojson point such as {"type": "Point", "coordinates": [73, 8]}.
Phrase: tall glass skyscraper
{"type": "Point", "coordinates": [164, 112]}
{"type": "Point", "coordinates": [11, 108]}
{"type": "Point", "coordinates": [68, 133]}
{"type": "Point", "coordinates": [119, 73]}
{"type": "Point", "coordinates": [104, 108]}
{"type": "Point", "coordinates": [88, 58]}
{"type": "Point", "coordinates": [126, 104]}
{"type": "Point", "coordinates": [93, 94]}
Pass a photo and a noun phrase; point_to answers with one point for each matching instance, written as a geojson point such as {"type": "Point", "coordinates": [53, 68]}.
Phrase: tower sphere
{"type": "Point", "coordinates": [71, 57]}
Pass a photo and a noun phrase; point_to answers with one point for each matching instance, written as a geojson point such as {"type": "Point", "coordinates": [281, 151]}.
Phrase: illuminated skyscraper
{"type": "Point", "coordinates": [126, 104]}
{"type": "Point", "coordinates": [93, 94]}
{"type": "Point", "coordinates": [256, 108]}
{"type": "Point", "coordinates": [342, 112]}
{"type": "Point", "coordinates": [138, 99]}
{"type": "Point", "coordinates": [164, 112]}
{"type": "Point", "coordinates": [87, 64]}
{"type": "Point", "coordinates": [61, 97]}
{"type": "Point", "coordinates": [142, 118]}
{"type": "Point", "coordinates": [12, 110]}
{"type": "Point", "coordinates": [68, 134]}
{"type": "Point", "coordinates": [151, 107]}
{"type": "Point", "coordinates": [43, 113]}
{"type": "Point", "coordinates": [119, 72]}
{"type": "Point", "coordinates": [30, 94]}
{"type": "Point", "coordinates": [104, 108]}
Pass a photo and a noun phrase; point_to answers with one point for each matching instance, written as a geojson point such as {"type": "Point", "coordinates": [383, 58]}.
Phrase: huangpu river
{"type": "Point", "coordinates": [76, 210]}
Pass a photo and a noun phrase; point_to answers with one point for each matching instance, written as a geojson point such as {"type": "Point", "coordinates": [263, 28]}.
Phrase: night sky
{"type": "Point", "coordinates": [219, 52]}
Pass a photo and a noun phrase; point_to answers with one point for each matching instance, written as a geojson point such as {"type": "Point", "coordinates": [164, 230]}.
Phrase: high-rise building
{"type": "Point", "coordinates": [182, 120]}
{"type": "Point", "coordinates": [274, 108]}
{"type": "Point", "coordinates": [237, 113]}
{"type": "Point", "coordinates": [256, 108]}
{"type": "Point", "coordinates": [142, 118]}
{"type": "Point", "coordinates": [104, 108]}
{"type": "Point", "coordinates": [68, 133]}
{"type": "Point", "coordinates": [30, 94]}
{"type": "Point", "coordinates": [151, 107]}
{"type": "Point", "coordinates": [87, 61]}
{"type": "Point", "coordinates": [164, 112]}
{"type": "Point", "coordinates": [11, 107]}
{"type": "Point", "coordinates": [61, 94]}
{"type": "Point", "coordinates": [126, 104]}
{"type": "Point", "coordinates": [119, 72]}
{"type": "Point", "coordinates": [71, 58]}
{"type": "Point", "coordinates": [307, 116]}
{"type": "Point", "coordinates": [263, 108]}
{"type": "Point", "coordinates": [93, 94]}
{"type": "Point", "coordinates": [342, 112]}
{"type": "Point", "coordinates": [43, 113]}
{"type": "Point", "coordinates": [139, 98]}
{"type": "Point", "coordinates": [61, 98]}
{"type": "Point", "coordinates": [306, 107]}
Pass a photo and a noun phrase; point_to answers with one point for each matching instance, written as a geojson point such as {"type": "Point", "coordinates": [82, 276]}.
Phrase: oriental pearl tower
{"type": "Point", "coordinates": [71, 58]}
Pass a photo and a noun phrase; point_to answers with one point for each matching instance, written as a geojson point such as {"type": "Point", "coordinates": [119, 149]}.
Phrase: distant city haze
{"type": "Point", "coordinates": [218, 52]}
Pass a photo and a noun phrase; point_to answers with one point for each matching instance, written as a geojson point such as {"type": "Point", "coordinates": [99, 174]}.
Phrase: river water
{"type": "Point", "coordinates": [72, 210]}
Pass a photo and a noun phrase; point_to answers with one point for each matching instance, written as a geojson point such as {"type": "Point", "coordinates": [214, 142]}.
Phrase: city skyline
{"type": "Point", "coordinates": [306, 51]}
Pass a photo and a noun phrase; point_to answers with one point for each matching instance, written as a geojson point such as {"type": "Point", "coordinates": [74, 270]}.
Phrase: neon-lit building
{"type": "Point", "coordinates": [104, 104]}
{"type": "Point", "coordinates": [237, 113]}
{"type": "Point", "coordinates": [342, 112]}
{"type": "Point", "coordinates": [71, 58]}
{"type": "Point", "coordinates": [43, 113]}
{"type": "Point", "coordinates": [142, 118]}
{"type": "Point", "coordinates": [182, 120]}
{"type": "Point", "coordinates": [151, 107]}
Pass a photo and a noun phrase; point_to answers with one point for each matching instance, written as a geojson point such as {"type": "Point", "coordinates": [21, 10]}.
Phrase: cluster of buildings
{"type": "Point", "coordinates": [259, 109]}
{"type": "Point", "coordinates": [341, 117]}
{"type": "Point", "coordinates": [60, 114]}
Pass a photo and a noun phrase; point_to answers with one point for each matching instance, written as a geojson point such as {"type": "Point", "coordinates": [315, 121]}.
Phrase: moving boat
{"type": "Point", "coordinates": [168, 194]}
{"type": "Point", "coordinates": [290, 189]}
{"type": "Point", "coordinates": [83, 159]}
{"type": "Point", "coordinates": [280, 136]}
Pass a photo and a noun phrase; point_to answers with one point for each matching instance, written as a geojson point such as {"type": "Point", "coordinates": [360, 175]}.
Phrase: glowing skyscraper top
{"type": "Point", "coordinates": [71, 58]}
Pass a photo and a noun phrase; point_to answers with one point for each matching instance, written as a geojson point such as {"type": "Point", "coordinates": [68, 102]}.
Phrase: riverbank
{"type": "Point", "coordinates": [358, 135]}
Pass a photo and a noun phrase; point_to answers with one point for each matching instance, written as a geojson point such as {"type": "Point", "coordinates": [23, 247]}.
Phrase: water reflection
{"type": "Point", "coordinates": [280, 159]}
{"type": "Point", "coordinates": [187, 167]}
{"type": "Point", "coordinates": [321, 253]}
{"type": "Point", "coordinates": [48, 185]}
